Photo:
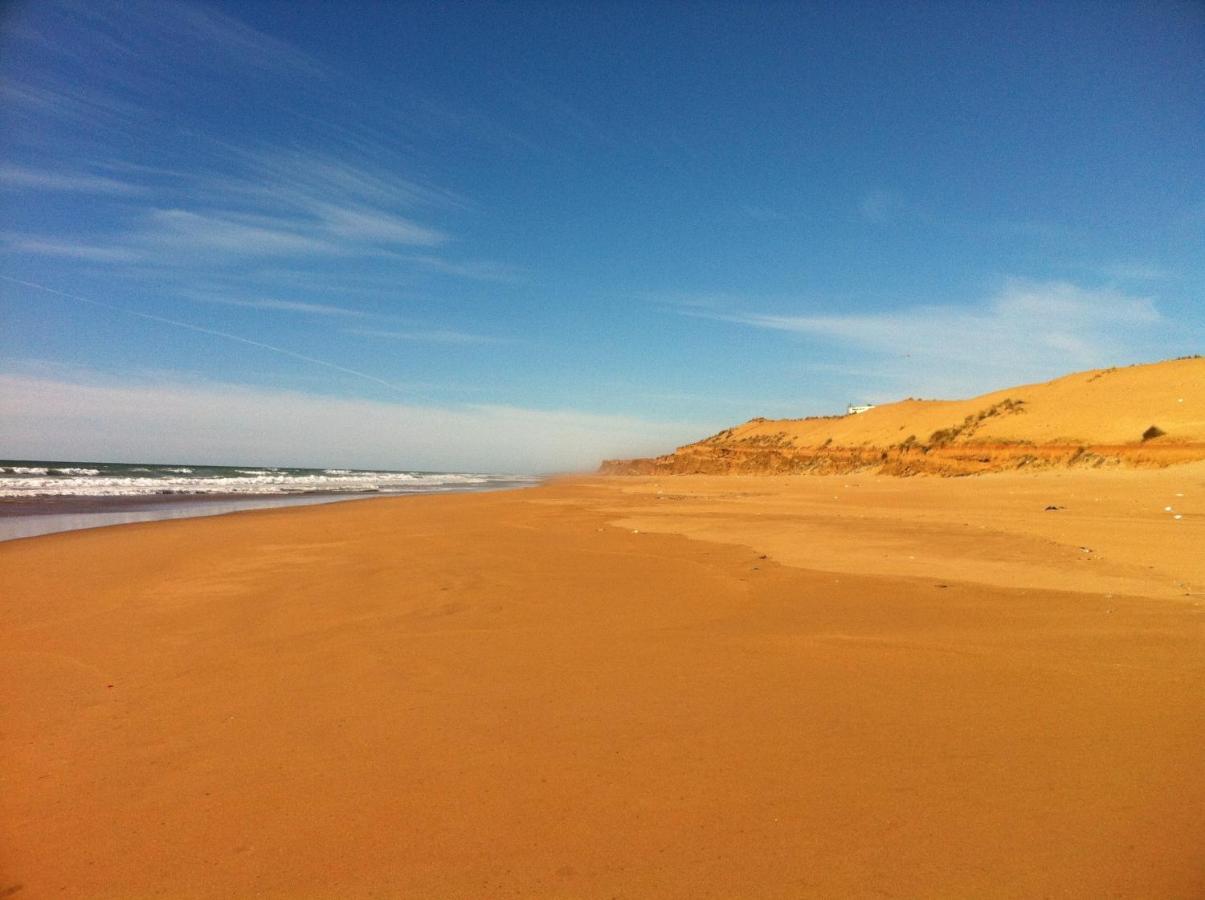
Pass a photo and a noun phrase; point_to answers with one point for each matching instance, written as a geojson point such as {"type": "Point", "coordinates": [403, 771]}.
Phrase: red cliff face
{"type": "Point", "coordinates": [964, 459]}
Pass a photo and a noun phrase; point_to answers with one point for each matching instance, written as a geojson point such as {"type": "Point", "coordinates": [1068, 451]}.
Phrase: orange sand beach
{"type": "Point", "coordinates": [824, 686]}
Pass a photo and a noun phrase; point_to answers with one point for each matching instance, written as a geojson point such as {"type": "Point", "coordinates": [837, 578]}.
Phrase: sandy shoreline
{"type": "Point", "coordinates": [733, 687]}
{"type": "Point", "coordinates": [26, 518]}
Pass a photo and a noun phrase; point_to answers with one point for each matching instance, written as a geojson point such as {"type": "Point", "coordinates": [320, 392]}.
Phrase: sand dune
{"type": "Point", "coordinates": [1138, 415]}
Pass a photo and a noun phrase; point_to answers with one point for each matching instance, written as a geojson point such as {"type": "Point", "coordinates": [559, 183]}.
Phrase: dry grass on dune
{"type": "Point", "coordinates": [1102, 406]}
{"type": "Point", "coordinates": [1141, 415]}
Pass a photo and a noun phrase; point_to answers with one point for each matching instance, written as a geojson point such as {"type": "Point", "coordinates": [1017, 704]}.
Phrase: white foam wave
{"type": "Point", "coordinates": [48, 470]}
{"type": "Point", "coordinates": [32, 485]}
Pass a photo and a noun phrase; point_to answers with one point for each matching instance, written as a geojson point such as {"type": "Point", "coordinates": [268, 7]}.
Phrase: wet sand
{"type": "Point", "coordinates": [24, 518]}
{"type": "Point", "coordinates": [582, 690]}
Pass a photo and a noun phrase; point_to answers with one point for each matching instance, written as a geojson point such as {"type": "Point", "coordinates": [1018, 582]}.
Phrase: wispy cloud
{"type": "Point", "coordinates": [300, 180]}
{"type": "Point", "coordinates": [377, 227]}
{"type": "Point", "coordinates": [389, 284]}
{"type": "Point", "coordinates": [331, 230]}
{"type": "Point", "coordinates": [432, 336]}
{"type": "Point", "coordinates": [171, 201]}
{"type": "Point", "coordinates": [239, 41]}
{"type": "Point", "coordinates": [477, 270]}
{"type": "Point", "coordinates": [72, 250]}
{"type": "Point", "coordinates": [98, 71]}
{"type": "Point", "coordinates": [139, 28]}
{"type": "Point", "coordinates": [247, 218]}
{"type": "Point", "coordinates": [299, 207]}
{"type": "Point", "coordinates": [176, 237]}
{"type": "Point", "coordinates": [261, 236]}
{"type": "Point", "coordinates": [80, 106]}
{"type": "Point", "coordinates": [20, 177]}
{"type": "Point", "coordinates": [1027, 329]}
{"type": "Point", "coordinates": [211, 332]}
{"type": "Point", "coordinates": [274, 305]}
{"type": "Point", "coordinates": [1113, 270]}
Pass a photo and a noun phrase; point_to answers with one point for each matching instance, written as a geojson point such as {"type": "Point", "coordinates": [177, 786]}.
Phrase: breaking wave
{"type": "Point", "coordinates": [118, 480]}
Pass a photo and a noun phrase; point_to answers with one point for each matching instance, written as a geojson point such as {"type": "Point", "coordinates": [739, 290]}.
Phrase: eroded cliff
{"type": "Point", "coordinates": [1146, 415]}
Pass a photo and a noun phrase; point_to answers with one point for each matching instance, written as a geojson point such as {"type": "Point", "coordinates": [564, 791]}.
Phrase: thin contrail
{"type": "Point", "coordinates": [211, 331]}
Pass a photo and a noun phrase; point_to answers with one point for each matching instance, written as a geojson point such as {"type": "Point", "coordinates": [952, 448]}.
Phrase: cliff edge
{"type": "Point", "coordinates": [1141, 415]}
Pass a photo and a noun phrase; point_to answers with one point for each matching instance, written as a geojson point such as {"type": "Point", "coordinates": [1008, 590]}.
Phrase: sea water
{"type": "Point", "coordinates": [40, 496]}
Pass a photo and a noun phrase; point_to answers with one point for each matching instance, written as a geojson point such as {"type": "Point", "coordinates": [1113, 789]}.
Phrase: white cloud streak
{"type": "Point", "coordinates": [476, 270]}
{"type": "Point", "coordinates": [72, 250]}
{"type": "Point", "coordinates": [1027, 330]}
{"type": "Point", "coordinates": [95, 73]}
{"type": "Point", "coordinates": [194, 22]}
{"type": "Point", "coordinates": [99, 70]}
{"type": "Point", "coordinates": [21, 177]}
{"type": "Point", "coordinates": [82, 107]}
{"type": "Point", "coordinates": [435, 336]}
{"type": "Point", "coordinates": [139, 28]}
{"type": "Point", "coordinates": [175, 237]}
{"type": "Point", "coordinates": [373, 226]}
{"type": "Point", "coordinates": [213, 332]}
{"type": "Point", "coordinates": [195, 232]}
{"type": "Point", "coordinates": [274, 305]}
{"type": "Point", "coordinates": [300, 180]}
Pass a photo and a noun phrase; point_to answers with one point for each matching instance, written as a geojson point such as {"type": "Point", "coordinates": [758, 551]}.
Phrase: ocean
{"type": "Point", "coordinates": [44, 496]}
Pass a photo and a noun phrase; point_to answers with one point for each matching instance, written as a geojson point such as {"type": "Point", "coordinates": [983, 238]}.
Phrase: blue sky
{"type": "Point", "coordinates": [526, 236]}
